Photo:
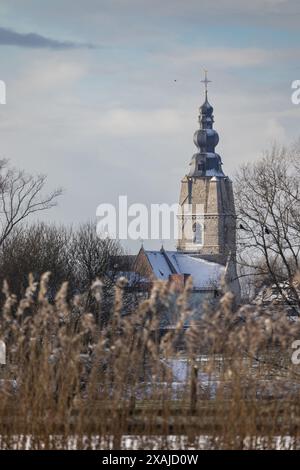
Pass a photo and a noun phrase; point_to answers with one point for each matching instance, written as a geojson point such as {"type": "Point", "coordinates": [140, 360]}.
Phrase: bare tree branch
{"type": "Point", "coordinates": [20, 196]}
{"type": "Point", "coordinates": [268, 211]}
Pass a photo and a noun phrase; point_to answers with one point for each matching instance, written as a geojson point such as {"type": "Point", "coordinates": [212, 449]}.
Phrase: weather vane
{"type": "Point", "coordinates": [205, 81]}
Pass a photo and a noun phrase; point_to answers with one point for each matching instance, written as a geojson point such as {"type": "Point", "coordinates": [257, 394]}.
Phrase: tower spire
{"type": "Point", "coordinates": [206, 162]}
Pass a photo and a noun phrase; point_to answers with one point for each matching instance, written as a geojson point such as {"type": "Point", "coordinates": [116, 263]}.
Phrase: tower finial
{"type": "Point", "coordinates": [206, 82]}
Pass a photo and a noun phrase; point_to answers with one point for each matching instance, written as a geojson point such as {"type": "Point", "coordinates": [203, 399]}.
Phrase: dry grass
{"type": "Point", "coordinates": [77, 386]}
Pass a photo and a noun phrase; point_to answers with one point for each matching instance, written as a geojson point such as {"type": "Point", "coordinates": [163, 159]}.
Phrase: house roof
{"type": "Point", "coordinates": [160, 266]}
{"type": "Point", "coordinates": [205, 274]}
{"type": "Point", "coordinates": [277, 294]}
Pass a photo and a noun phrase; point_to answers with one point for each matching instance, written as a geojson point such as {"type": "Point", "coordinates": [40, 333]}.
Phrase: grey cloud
{"type": "Point", "coordinates": [9, 37]}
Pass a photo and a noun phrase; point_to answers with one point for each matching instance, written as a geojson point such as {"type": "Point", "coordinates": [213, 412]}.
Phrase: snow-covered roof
{"type": "Point", "coordinates": [277, 294]}
{"type": "Point", "coordinates": [282, 296]}
{"type": "Point", "coordinates": [214, 172]}
{"type": "Point", "coordinates": [205, 274]}
{"type": "Point", "coordinates": [159, 264]}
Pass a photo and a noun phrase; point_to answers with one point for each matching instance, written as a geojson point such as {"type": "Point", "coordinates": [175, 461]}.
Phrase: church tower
{"type": "Point", "coordinates": [207, 222]}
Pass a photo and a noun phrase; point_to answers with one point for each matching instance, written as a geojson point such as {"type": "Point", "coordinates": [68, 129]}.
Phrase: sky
{"type": "Point", "coordinates": [93, 103]}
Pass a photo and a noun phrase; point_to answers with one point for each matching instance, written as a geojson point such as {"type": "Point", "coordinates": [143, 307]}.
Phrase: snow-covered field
{"type": "Point", "coordinates": [134, 442]}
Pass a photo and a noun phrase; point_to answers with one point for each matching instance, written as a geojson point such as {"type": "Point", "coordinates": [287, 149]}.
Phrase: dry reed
{"type": "Point", "coordinates": [69, 384]}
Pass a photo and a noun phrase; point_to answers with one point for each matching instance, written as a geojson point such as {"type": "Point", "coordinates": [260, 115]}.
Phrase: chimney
{"type": "Point", "coordinates": [178, 280]}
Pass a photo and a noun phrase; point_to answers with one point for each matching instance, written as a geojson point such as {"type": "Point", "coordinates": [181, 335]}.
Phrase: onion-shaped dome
{"type": "Point", "coordinates": [206, 139]}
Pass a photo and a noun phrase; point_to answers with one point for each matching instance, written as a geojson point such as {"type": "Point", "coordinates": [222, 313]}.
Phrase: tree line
{"type": "Point", "coordinates": [267, 199]}
{"type": "Point", "coordinates": [77, 256]}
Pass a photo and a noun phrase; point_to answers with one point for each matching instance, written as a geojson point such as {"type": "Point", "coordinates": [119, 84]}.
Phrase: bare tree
{"type": "Point", "coordinates": [36, 249]}
{"type": "Point", "coordinates": [93, 258]}
{"type": "Point", "coordinates": [268, 210]}
{"type": "Point", "coordinates": [21, 194]}
{"type": "Point", "coordinates": [79, 257]}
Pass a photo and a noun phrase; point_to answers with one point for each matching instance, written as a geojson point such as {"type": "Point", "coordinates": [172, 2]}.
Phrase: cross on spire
{"type": "Point", "coordinates": [206, 82]}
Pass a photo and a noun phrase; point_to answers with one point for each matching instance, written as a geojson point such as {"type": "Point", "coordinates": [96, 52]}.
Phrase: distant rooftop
{"type": "Point", "coordinates": [205, 274]}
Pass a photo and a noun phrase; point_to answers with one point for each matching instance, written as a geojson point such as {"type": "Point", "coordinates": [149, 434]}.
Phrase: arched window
{"type": "Point", "coordinates": [197, 233]}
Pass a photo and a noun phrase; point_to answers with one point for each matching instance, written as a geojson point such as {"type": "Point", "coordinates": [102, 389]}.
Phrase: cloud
{"type": "Point", "coordinates": [222, 56]}
{"type": "Point", "coordinates": [49, 74]}
{"type": "Point", "coordinates": [8, 37]}
{"type": "Point", "coordinates": [275, 131]}
{"type": "Point", "coordinates": [128, 122]}
{"type": "Point", "coordinates": [225, 57]}
{"type": "Point", "coordinates": [93, 121]}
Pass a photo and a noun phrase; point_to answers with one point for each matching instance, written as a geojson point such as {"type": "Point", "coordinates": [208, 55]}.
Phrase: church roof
{"type": "Point", "coordinates": [205, 274]}
{"type": "Point", "coordinates": [159, 264]}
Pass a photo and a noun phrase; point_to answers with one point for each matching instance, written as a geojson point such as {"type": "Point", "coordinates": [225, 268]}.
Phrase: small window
{"type": "Point", "coordinates": [198, 233]}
